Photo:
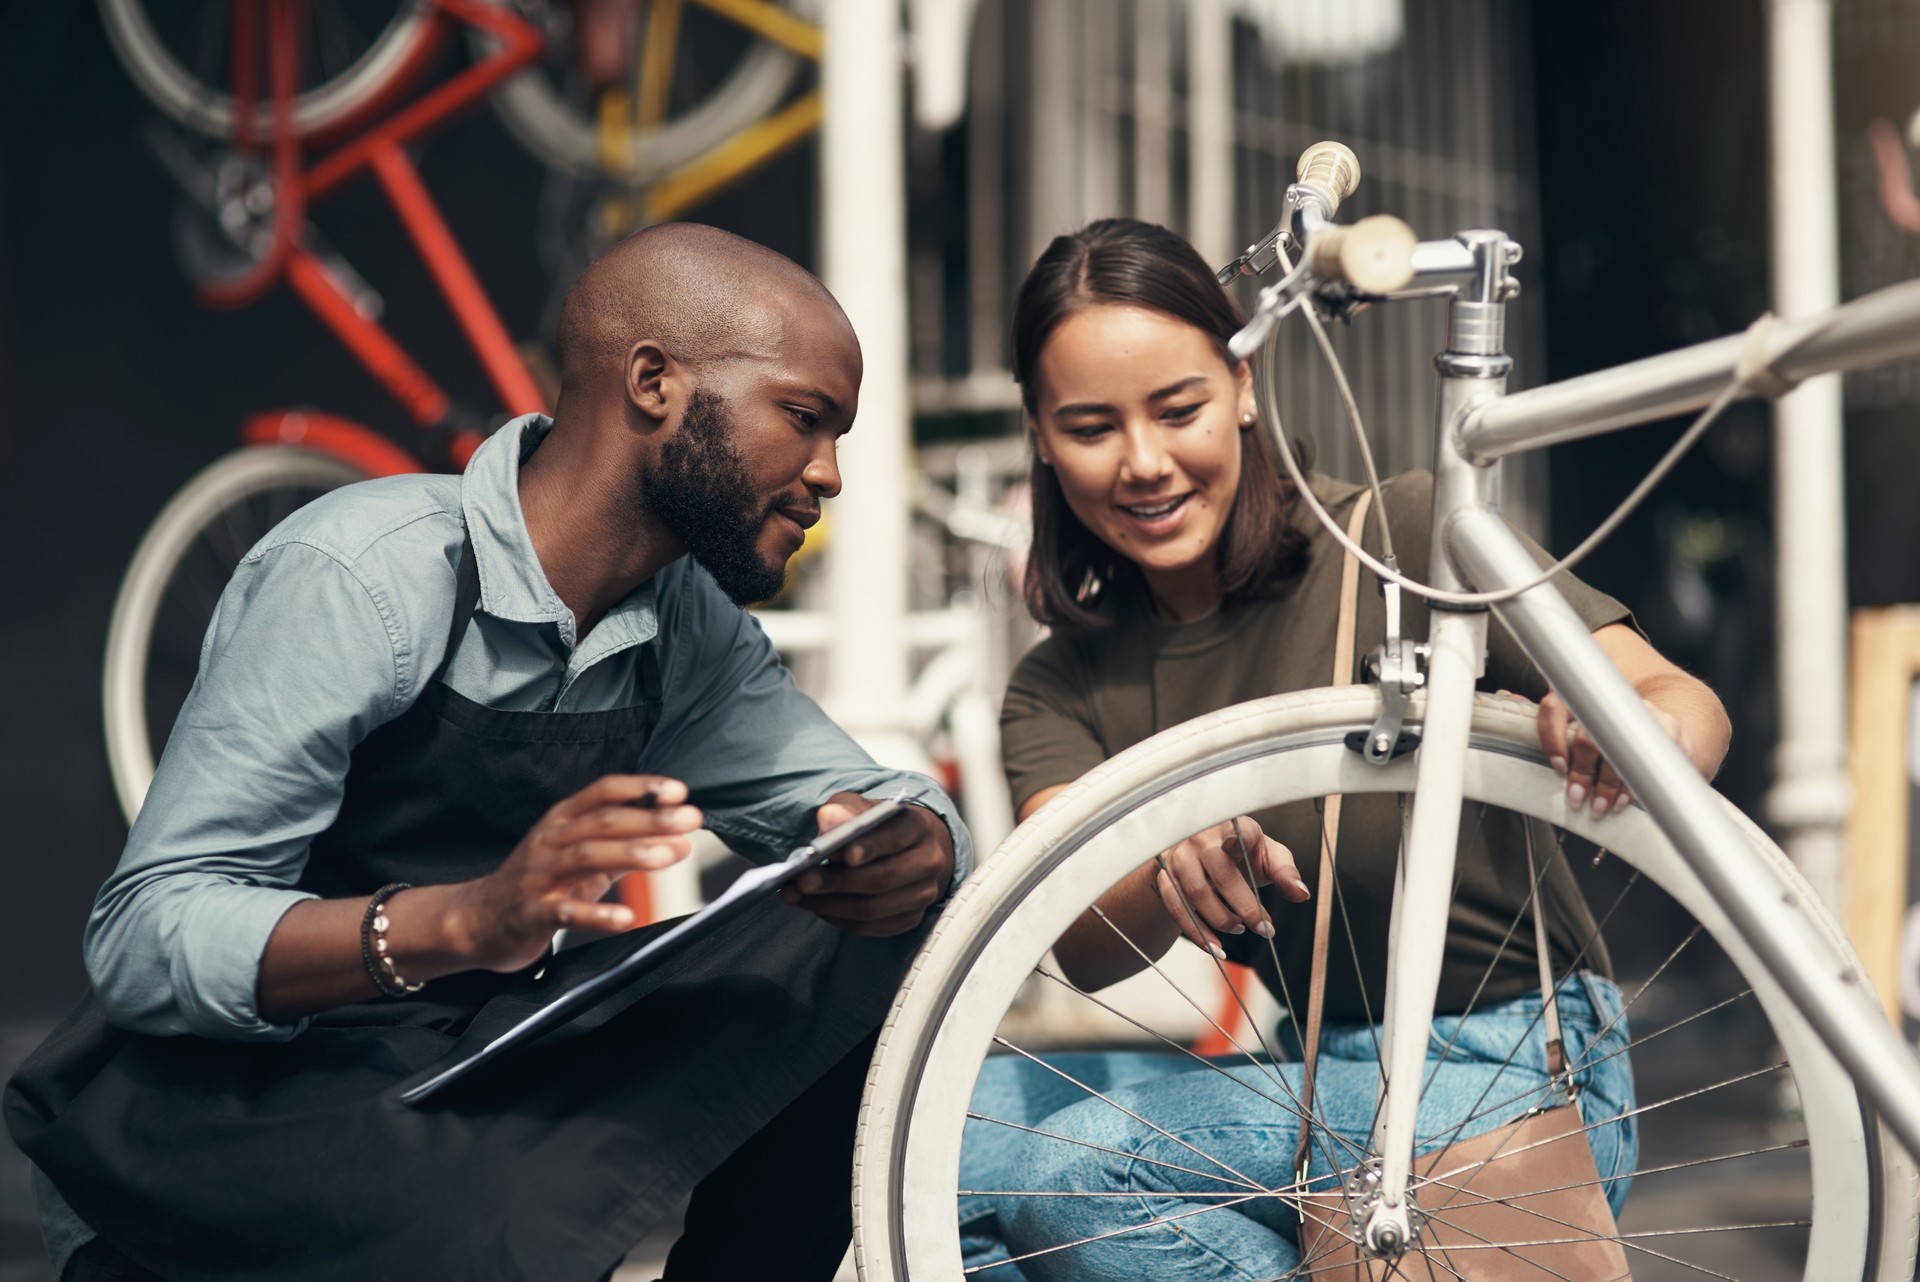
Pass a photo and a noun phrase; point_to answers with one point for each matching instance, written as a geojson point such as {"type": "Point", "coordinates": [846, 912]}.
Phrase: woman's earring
{"type": "Point", "coordinates": [1249, 418]}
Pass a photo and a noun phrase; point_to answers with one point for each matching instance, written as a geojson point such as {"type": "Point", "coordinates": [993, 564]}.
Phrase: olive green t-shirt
{"type": "Point", "coordinates": [1078, 698]}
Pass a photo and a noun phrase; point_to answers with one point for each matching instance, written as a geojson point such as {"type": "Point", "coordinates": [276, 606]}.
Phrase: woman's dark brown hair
{"type": "Point", "coordinates": [1073, 580]}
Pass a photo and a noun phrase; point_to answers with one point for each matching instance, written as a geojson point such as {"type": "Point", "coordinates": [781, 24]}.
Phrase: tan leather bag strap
{"type": "Point", "coordinates": [1556, 1049]}
{"type": "Point", "coordinates": [1343, 644]}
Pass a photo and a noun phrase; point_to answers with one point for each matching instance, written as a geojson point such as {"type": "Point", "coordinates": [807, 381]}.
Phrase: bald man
{"type": "Point", "coordinates": [436, 718]}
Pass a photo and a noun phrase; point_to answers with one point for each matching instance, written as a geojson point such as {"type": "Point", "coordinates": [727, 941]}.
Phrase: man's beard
{"type": "Point", "coordinates": [701, 492]}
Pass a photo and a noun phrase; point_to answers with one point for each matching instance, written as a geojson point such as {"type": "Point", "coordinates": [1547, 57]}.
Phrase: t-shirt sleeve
{"type": "Point", "coordinates": [1508, 667]}
{"type": "Point", "coordinates": [1410, 505]}
{"type": "Point", "coordinates": [1047, 735]}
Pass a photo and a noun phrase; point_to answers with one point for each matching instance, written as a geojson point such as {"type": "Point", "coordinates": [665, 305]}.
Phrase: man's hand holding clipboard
{"type": "Point", "coordinates": [883, 880]}
{"type": "Point", "coordinates": [874, 869]}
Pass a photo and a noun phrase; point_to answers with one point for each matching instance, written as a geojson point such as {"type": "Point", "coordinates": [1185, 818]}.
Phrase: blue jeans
{"type": "Point", "coordinates": [1136, 1174]}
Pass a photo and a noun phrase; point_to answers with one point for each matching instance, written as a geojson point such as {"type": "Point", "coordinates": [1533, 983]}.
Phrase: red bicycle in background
{"type": "Point", "coordinates": [306, 106]}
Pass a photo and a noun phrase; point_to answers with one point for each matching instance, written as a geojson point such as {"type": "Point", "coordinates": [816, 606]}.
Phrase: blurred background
{"type": "Point", "coordinates": [163, 304]}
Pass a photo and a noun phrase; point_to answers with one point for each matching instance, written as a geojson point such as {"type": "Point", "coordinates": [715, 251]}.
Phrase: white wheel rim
{"type": "Point", "coordinates": [142, 589]}
{"type": "Point", "coordinates": [181, 95]}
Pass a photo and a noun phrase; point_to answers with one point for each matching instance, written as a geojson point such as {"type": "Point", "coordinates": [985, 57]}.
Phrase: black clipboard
{"type": "Point", "coordinates": [753, 885]}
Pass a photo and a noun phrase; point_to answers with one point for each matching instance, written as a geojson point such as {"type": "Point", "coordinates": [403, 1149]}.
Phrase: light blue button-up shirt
{"type": "Point", "coordinates": [327, 631]}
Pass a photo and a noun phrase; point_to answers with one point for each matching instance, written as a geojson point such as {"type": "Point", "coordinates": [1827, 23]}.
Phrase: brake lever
{"type": "Point", "coordinates": [1260, 256]}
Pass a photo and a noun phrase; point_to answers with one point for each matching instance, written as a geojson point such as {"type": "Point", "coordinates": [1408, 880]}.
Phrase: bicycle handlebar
{"type": "Point", "coordinates": [1374, 255]}
{"type": "Point", "coordinates": [1331, 171]}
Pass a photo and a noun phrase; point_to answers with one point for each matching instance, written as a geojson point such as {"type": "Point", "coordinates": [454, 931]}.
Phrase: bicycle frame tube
{"type": "Point", "coordinates": [1836, 1003]}
{"type": "Point", "coordinates": [381, 152]}
{"type": "Point", "coordinates": [1877, 327]}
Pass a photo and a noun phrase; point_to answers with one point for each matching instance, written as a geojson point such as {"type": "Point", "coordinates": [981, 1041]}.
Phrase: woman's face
{"type": "Point", "coordinates": [1140, 418]}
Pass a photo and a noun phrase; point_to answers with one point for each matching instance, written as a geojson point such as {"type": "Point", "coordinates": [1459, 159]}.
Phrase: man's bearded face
{"type": "Point", "coordinates": [702, 492]}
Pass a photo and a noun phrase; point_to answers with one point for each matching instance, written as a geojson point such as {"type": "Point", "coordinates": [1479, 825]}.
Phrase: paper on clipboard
{"type": "Point", "coordinates": [754, 884]}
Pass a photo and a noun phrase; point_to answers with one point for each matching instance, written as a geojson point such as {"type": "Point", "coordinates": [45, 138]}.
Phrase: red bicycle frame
{"type": "Point", "coordinates": [381, 151]}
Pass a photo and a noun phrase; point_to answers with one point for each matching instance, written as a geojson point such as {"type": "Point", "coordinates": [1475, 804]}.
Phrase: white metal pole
{"type": "Point", "coordinates": [1809, 798]}
{"type": "Point", "coordinates": [1210, 195]}
{"type": "Point", "coordinates": [1152, 111]}
{"type": "Point", "coordinates": [863, 233]}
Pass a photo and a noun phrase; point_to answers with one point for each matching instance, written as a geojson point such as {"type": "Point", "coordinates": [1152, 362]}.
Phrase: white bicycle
{"type": "Point", "coordinates": [1776, 1006]}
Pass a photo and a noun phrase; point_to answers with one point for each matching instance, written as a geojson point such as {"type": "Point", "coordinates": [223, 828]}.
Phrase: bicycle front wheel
{"type": "Point", "coordinates": [167, 597]}
{"type": "Point", "coordinates": [1755, 1157]}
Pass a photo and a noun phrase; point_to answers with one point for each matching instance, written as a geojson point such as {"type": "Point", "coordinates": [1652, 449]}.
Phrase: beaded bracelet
{"type": "Point", "coordinates": [373, 944]}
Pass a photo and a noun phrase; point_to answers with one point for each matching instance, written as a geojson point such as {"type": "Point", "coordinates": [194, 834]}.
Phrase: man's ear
{"type": "Point", "coordinates": [650, 372]}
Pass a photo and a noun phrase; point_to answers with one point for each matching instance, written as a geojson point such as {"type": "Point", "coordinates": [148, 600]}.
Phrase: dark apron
{"type": "Point", "coordinates": [293, 1161]}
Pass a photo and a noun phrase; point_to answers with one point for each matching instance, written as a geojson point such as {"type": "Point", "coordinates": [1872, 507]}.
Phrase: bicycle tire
{"type": "Point", "coordinates": [1242, 759]}
{"type": "Point", "coordinates": [172, 583]}
{"type": "Point", "coordinates": [319, 109]}
{"type": "Point", "coordinates": [564, 137]}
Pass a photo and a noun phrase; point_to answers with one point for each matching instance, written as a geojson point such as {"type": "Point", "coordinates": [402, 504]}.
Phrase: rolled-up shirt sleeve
{"type": "Point", "coordinates": [757, 755]}
{"type": "Point", "coordinates": [303, 659]}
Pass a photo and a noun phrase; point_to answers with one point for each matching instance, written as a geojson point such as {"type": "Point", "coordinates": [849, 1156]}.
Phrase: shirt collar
{"type": "Point", "coordinates": [513, 586]}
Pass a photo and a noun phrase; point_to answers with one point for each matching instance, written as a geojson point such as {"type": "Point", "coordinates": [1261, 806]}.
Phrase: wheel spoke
{"type": "Point", "coordinates": [1482, 1243]}
{"type": "Point", "coordinates": [1640, 1110]}
{"type": "Point", "coordinates": [1658, 971]}
{"type": "Point", "coordinates": [1102, 1148]}
{"type": "Point", "coordinates": [1305, 1106]}
{"type": "Point", "coordinates": [1329, 886]}
{"type": "Point", "coordinates": [1635, 1174]}
{"type": "Point", "coordinates": [1594, 1062]}
{"type": "Point", "coordinates": [1153, 965]}
{"type": "Point", "coordinates": [1154, 1223]}
{"type": "Point", "coordinates": [1478, 1110]}
{"type": "Point", "coordinates": [1233, 1193]}
{"type": "Point", "coordinates": [1291, 1105]}
{"type": "Point", "coordinates": [1220, 969]}
{"type": "Point", "coordinates": [191, 584]}
{"type": "Point", "coordinates": [1161, 1131]}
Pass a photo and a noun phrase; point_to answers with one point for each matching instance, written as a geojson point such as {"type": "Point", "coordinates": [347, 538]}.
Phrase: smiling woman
{"type": "Point", "coordinates": [1179, 578]}
{"type": "Point", "coordinates": [1142, 423]}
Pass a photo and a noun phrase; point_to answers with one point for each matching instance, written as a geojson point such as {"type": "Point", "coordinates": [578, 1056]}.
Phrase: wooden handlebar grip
{"type": "Point", "coordinates": [1374, 255]}
{"type": "Point", "coordinates": [1331, 169]}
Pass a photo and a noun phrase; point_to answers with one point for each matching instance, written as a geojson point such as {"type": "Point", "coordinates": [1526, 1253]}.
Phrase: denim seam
{"type": "Point", "coordinates": [1143, 1199]}
{"type": "Point", "coordinates": [397, 647]}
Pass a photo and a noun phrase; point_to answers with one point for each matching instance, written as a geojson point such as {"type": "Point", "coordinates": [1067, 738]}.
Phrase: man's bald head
{"type": "Point", "coordinates": [705, 294]}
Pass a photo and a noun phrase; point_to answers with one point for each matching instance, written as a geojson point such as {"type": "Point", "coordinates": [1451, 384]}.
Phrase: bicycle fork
{"type": "Point", "coordinates": [1472, 369]}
